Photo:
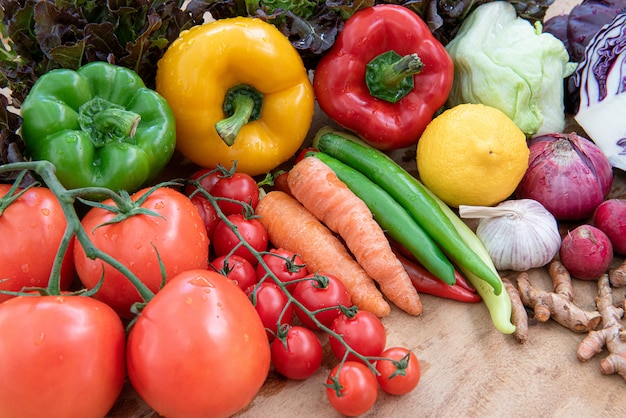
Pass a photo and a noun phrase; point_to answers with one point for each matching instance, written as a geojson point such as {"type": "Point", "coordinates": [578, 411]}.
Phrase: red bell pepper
{"type": "Point", "coordinates": [385, 76]}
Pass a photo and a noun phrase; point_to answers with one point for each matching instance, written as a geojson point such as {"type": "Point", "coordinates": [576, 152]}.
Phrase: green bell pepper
{"type": "Point", "coordinates": [100, 126]}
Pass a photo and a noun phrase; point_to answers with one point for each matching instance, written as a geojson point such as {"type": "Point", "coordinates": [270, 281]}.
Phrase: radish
{"type": "Point", "coordinates": [610, 217]}
{"type": "Point", "coordinates": [586, 252]}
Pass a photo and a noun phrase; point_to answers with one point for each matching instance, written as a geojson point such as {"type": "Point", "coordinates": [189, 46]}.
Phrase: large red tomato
{"type": "Point", "coordinates": [31, 228]}
{"type": "Point", "coordinates": [60, 356]}
{"type": "Point", "coordinates": [176, 234]}
{"type": "Point", "coordinates": [198, 349]}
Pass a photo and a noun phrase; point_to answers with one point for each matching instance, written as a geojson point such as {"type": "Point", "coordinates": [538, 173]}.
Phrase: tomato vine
{"type": "Point", "coordinates": [123, 207]}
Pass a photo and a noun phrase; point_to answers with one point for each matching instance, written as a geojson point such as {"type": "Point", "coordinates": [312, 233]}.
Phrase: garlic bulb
{"type": "Point", "coordinates": [518, 234]}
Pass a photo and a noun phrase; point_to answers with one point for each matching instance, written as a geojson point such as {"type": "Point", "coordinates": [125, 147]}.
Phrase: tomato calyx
{"type": "Point", "coordinates": [270, 178]}
{"type": "Point", "coordinates": [281, 333]}
{"type": "Point", "coordinates": [291, 263]}
{"type": "Point", "coordinates": [401, 366]}
{"type": "Point", "coordinates": [321, 281]}
{"type": "Point", "coordinates": [125, 207]}
{"type": "Point", "coordinates": [349, 311]}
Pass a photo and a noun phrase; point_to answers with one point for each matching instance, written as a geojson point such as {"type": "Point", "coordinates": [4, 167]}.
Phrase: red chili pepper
{"type": "Point", "coordinates": [426, 282]}
{"type": "Point", "coordinates": [385, 76]}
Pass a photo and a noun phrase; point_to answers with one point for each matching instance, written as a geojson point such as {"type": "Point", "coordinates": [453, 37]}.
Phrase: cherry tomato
{"type": "Point", "coordinates": [240, 187]}
{"type": "Point", "coordinates": [286, 266]}
{"type": "Point", "coordinates": [355, 388]}
{"type": "Point", "coordinates": [318, 292]}
{"type": "Point", "coordinates": [207, 213]}
{"type": "Point", "coordinates": [31, 228]}
{"type": "Point", "coordinates": [269, 301]}
{"type": "Point", "coordinates": [178, 235]}
{"type": "Point", "coordinates": [60, 356]}
{"type": "Point", "coordinates": [253, 232]}
{"type": "Point", "coordinates": [298, 355]}
{"type": "Point", "coordinates": [237, 269]}
{"type": "Point", "coordinates": [207, 177]}
{"type": "Point", "coordinates": [364, 333]}
{"type": "Point", "coordinates": [401, 373]}
{"type": "Point", "coordinates": [198, 348]}
{"type": "Point", "coordinates": [280, 183]}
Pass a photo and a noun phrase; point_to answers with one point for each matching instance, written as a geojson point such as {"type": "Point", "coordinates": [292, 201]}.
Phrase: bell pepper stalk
{"type": "Point", "coordinates": [385, 76]}
{"type": "Point", "coordinates": [100, 126]}
{"type": "Point", "coordinates": [239, 91]}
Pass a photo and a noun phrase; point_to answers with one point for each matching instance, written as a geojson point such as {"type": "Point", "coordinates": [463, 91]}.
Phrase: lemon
{"type": "Point", "coordinates": [472, 154]}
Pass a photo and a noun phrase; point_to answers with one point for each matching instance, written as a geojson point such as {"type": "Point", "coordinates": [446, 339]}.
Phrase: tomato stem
{"type": "Point", "coordinates": [67, 198]}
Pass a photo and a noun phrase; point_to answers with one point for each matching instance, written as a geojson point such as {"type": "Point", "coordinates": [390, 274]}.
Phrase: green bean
{"type": "Point", "coordinates": [394, 219]}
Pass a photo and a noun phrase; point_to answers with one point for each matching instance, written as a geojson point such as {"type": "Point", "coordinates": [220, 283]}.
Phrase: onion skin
{"type": "Point", "coordinates": [610, 217]}
{"type": "Point", "coordinates": [586, 252]}
{"type": "Point", "coordinates": [567, 174]}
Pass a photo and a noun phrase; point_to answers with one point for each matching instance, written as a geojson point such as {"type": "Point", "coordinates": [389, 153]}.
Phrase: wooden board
{"type": "Point", "coordinates": [469, 369]}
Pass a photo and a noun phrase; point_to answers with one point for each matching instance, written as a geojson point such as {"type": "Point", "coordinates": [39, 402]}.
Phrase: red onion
{"type": "Point", "coordinates": [567, 174]}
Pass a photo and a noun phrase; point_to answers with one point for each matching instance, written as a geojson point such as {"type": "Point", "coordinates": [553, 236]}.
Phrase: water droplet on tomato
{"type": "Point", "coordinates": [201, 281]}
{"type": "Point", "coordinates": [25, 268]}
{"type": "Point", "coordinates": [45, 211]}
{"type": "Point", "coordinates": [39, 339]}
{"type": "Point", "coordinates": [189, 301]}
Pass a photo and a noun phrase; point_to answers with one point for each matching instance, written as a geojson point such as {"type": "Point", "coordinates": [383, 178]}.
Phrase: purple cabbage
{"type": "Point", "coordinates": [601, 78]}
{"type": "Point", "coordinates": [575, 30]}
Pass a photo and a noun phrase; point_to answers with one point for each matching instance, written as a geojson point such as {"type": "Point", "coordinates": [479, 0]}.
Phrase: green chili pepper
{"type": "Point", "coordinates": [415, 198]}
{"type": "Point", "coordinates": [394, 219]}
{"type": "Point", "coordinates": [499, 305]}
{"type": "Point", "coordinates": [100, 126]}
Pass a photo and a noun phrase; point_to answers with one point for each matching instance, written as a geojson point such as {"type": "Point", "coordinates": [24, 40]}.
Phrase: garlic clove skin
{"type": "Point", "coordinates": [518, 234]}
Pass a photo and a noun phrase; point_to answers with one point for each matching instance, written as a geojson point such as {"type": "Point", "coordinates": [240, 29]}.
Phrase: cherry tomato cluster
{"type": "Point", "coordinates": [297, 307]}
{"type": "Point", "coordinates": [151, 252]}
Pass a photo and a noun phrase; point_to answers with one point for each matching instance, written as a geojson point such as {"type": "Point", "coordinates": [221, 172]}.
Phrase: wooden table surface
{"type": "Point", "coordinates": [469, 369]}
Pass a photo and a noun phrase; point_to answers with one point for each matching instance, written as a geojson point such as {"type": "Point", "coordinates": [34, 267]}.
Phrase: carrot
{"type": "Point", "coordinates": [320, 191]}
{"type": "Point", "coordinates": [289, 225]}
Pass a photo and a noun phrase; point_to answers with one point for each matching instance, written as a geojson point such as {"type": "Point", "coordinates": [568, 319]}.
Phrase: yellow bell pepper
{"type": "Point", "coordinates": [239, 92]}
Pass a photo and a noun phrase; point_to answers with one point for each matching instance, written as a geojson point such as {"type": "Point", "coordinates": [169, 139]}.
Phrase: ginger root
{"type": "Point", "coordinates": [559, 304]}
{"type": "Point", "coordinates": [612, 335]}
{"type": "Point", "coordinates": [617, 276]}
{"type": "Point", "coordinates": [519, 316]}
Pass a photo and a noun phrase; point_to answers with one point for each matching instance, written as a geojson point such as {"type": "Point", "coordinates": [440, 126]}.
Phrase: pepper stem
{"type": "Point", "coordinates": [389, 76]}
{"type": "Point", "coordinates": [107, 122]}
{"type": "Point", "coordinates": [242, 104]}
